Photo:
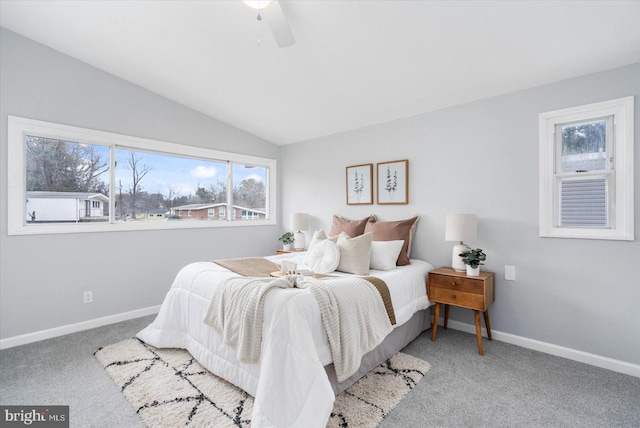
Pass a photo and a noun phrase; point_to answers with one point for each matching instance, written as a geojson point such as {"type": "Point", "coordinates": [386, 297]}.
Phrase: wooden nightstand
{"type": "Point", "coordinates": [287, 251]}
{"type": "Point", "coordinates": [447, 286]}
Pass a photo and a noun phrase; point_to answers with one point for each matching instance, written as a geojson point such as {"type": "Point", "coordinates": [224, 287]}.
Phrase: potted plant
{"type": "Point", "coordinates": [473, 258]}
{"type": "Point", "coordinates": [287, 240]}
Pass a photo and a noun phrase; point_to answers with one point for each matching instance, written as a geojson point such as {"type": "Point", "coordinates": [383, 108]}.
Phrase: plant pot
{"type": "Point", "coordinates": [287, 247]}
{"type": "Point", "coordinates": [471, 271]}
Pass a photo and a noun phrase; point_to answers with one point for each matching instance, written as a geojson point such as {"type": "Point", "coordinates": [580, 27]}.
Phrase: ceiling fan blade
{"type": "Point", "coordinates": [279, 26]}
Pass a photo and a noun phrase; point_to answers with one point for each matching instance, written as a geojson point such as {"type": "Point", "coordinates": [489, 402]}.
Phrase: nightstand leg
{"type": "Point", "coordinates": [446, 316]}
{"type": "Point", "coordinates": [476, 315]}
{"type": "Point", "coordinates": [487, 324]}
{"type": "Point", "coordinates": [434, 327]}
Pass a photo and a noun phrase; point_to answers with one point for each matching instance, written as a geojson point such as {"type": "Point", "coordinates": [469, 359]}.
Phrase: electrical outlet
{"type": "Point", "coordinates": [88, 296]}
{"type": "Point", "coordinates": [509, 273]}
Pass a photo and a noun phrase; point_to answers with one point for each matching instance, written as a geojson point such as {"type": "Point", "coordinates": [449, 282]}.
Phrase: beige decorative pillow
{"type": "Point", "coordinates": [395, 230]}
{"type": "Point", "coordinates": [352, 228]}
{"type": "Point", "coordinates": [355, 253]}
{"type": "Point", "coordinates": [384, 254]}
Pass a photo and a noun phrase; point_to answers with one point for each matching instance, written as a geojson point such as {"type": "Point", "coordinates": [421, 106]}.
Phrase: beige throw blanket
{"type": "Point", "coordinates": [236, 311]}
{"type": "Point", "coordinates": [356, 312]}
{"type": "Point", "coordinates": [250, 266]}
{"type": "Point", "coordinates": [354, 317]}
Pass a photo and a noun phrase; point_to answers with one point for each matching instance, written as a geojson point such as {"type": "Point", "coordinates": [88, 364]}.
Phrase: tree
{"type": "Point", "coordinates": [179, 200]}
{"type": "Point", "coordinates": [250, 194]}
{"type": "Point", "coordinates": [121, 206]}
{"type": "Point", "coordinates": [219, 191]}
{"type": "Point", "coordinates": [137, 174]}
{"type": "Point", "coordinates": [205, 195]}
{"type": "Point", "coordinates": [60, 166]}
{"type": "Point", "coordinates": [169, 200]}
{"type": "Point", "coordinates": [587, 137]}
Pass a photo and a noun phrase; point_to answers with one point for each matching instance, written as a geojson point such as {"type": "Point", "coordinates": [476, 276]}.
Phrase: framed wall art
{"type": "Point", "coordinates": [393, 182]}
{"type": "Point", "coordinates": [360, 184]}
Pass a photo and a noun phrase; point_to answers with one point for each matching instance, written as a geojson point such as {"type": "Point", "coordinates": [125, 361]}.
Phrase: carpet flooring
{"type": "Point", "coordinates": [509, 386]}
{"type": "Point", "coordinates": [169, 388]}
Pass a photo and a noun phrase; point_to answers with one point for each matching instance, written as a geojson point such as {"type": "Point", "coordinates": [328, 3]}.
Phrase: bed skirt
{"type": "Point", "coordinates": [391, 345]}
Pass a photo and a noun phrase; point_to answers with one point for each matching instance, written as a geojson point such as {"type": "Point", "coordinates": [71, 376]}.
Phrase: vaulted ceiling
{"type": "Point", "coordinates": [354, 63]}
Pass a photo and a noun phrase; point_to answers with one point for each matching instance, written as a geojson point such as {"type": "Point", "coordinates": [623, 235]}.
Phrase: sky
{"type": "Point", "coordinates": [182, 175]}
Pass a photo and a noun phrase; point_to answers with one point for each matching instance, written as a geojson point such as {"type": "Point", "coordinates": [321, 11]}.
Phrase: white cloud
{"type": "Point", "coordinates": [204, 171]}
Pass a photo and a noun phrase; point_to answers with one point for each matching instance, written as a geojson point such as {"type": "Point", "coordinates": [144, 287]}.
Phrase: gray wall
{"type": "Point", "coordinates": [40, 285]}
{"type": "Point", "coordinates": [482, 158]}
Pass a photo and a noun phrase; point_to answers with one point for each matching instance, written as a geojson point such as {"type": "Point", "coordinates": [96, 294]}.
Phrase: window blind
{"type": "Point", "coordinates": [583, 203]}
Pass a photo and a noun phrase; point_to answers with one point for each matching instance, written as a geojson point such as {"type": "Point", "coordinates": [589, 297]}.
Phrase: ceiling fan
{"type": "Point", "coordinates": [272, 13]}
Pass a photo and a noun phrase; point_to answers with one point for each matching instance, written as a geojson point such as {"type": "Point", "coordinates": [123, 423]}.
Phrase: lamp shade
{"type": "Point", "coordinates": [461, 227]}
{"type": "Point", "coordinates": [299, 222]}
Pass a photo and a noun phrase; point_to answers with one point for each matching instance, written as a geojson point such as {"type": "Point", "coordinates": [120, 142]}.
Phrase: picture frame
{"type": "Point", "coordinates": [393, 182]}
{"type": "Point", "coordinates": [359, 180]}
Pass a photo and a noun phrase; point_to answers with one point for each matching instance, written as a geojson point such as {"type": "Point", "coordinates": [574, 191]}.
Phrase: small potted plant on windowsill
{"type": "Point", "coordinates": [473, 258]}
{"type": "Point", "coordinates": [287, 241]}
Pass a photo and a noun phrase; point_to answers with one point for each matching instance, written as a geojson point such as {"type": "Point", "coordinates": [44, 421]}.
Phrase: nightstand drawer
{"type": "Point", "coordinates": [456, 283]}
{"type": "Point", "coordinates": [457, 298]}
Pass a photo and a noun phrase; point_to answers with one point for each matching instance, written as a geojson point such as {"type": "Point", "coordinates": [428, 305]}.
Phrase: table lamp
{"type": "Point", "coordinates": [460, 227]}
{"type": "Point", "coordinates": [298, 223]}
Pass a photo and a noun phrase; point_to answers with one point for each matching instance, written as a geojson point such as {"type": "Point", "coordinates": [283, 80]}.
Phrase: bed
{"type": "Point", "coordinates": [294, 383]}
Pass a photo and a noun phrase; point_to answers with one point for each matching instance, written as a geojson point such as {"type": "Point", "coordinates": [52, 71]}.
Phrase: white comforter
{"type": "Point", "coordinates": [290, 385]}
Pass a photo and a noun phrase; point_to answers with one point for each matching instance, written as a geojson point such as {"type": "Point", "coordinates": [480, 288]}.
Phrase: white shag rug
{"type": "Point", "coordinates": [169, 388]}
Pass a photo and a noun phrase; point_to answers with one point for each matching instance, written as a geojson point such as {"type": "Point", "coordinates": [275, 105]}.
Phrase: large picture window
{"type": "Point", "coordinates": [586, 171]}
{"type": "Point", "coordinates": [69, 179]}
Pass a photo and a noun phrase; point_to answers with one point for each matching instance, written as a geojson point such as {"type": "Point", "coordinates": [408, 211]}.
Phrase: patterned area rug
{"type": "Point", "coordinates": [168, 388]}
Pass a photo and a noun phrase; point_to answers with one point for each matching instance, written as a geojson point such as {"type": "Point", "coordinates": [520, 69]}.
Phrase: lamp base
{"type": "Point", "coordinates": [298, 241]}
{"type": "Point", "coordinates": [456, 260]}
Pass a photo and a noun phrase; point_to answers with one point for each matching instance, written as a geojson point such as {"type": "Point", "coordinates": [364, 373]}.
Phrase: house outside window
{"type": "Point", "coordinates": [586, 171]}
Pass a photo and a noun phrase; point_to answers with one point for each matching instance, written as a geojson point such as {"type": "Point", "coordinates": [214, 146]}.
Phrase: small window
{"type": "Point", "coordinates": [586, 171]}
{"type": "Point", "coordinates": [250, 215]}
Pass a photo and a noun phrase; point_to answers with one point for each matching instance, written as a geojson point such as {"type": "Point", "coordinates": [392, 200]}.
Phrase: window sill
{"type": "Point", "coordinates": [50, 229]}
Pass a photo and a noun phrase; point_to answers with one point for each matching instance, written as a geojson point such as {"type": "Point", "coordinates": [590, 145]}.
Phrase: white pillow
{"type": "Point", "coordinates": [384, 254]}
{"type": "Point", "coordinates": [355, 253]}
{"type": "Point", "coordinates": [318, 236]}
{"type": "Point", "coordinates": [323, 257]}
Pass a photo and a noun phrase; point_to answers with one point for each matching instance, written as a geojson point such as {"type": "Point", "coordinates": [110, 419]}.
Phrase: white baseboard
{"type": "Point", "coordinates": [23, 339]}
{"type": "Point", "coordinates": [560, 351]}
{"type": "Point", "coordinates": [549, 348]}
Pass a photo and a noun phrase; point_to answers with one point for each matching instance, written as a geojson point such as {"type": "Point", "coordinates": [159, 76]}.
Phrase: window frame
{"type": "Point", "coordinates": [619, 174]}
{"type": "Point", "coordinates": [18, 127]}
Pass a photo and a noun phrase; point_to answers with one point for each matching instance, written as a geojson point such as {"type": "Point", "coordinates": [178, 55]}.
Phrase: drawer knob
{"type": "Point", "coordinates": [453, 283]}
{"type": "Point", "coordinates": [453, 296]}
